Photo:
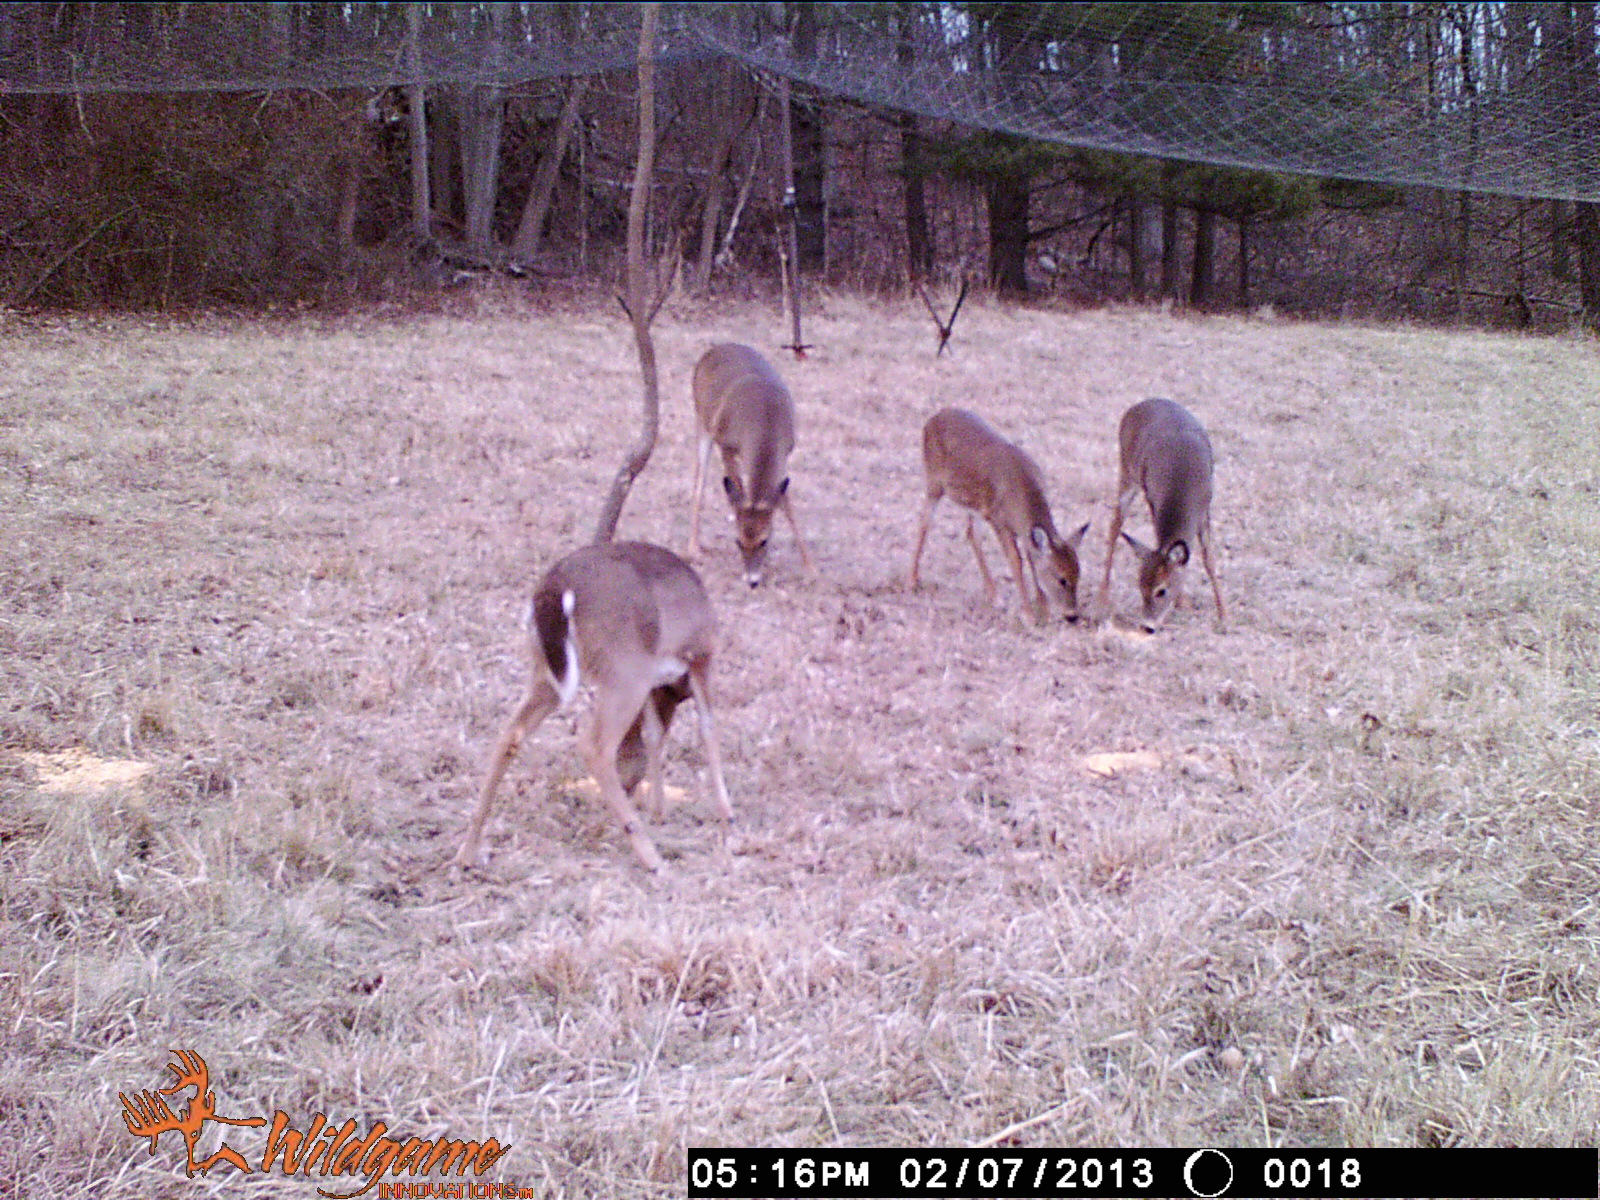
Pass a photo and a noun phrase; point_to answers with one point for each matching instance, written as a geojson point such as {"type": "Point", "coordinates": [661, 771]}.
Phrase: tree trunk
{"type": "Point", "coordinates": [1205, 255]}
{"type": "Point", "coordinates": [919, 245]}
{"type": "Point", "coordinates": [417, 123]}
{"type": "Point", "coordinates": [639, 282]}
{"type": "Point", "coordinates": [1586, 235]}
{"type": "Point", "coordinates": [344, 234]}
{"type": "Point", "coordinates": [444, 159]}
{"type": "Point", "coordinates": [530, 229]}
{"type": "Point", "coordinates": [1244, 264]}
{"type": "Point", "coordinates": [1560, 242]}
{"type": "Point", "coordinates": [1585, 213]}
{"type": "Point", "coordinates": [1169, 233]}
{"type": "Point", "coordinates": [1136, 248]}
{"type": "Point", "coordinates": [724, 255]}
{"type": "Point", "coordinates": [483, 120]}
{"type": "Point", "coordinates": [483, 116]}
{"type": "Point", "coordinates": [724, 114]}
{"type": "Point", "coordinates": [1008, 234]}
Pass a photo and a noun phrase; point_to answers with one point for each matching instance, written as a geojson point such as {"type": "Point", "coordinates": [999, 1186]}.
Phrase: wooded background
{"type": "Point", "coordinates": [1422, 160]}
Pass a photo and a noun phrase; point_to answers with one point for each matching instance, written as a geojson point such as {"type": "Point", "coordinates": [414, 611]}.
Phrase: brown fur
{"type": "Point", "coordinates": [745, 410]}
{"type": "Point", "coordinates": [967, 460]}
{"type": "Point", "coordinates": [1166, 455]}
{"type": "Point", "coordinates": [642, 628]}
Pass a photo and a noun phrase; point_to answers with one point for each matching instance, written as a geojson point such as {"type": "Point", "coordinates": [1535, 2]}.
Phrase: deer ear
{"type": "Point", "coordinates": [1178, 555]}
{"type": "Point", "coordinates": [1076, 539]}
{"type": "Point", "coordinates": [783, 488]}
{"type": "Point", "coordinates": [731, 486]}
{"type": "Point", "coordinates": [1041, 539]}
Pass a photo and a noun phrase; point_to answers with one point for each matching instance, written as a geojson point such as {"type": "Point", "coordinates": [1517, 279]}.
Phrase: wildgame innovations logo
{"type": "Point", "coordinates": [323, 1150]}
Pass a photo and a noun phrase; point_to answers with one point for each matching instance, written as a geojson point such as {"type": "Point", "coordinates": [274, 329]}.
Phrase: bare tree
{"type": "Point", "coordinates": [919, 242]}
{"type": "Point", "coordinates": [724, 108]}
{"type": "Point", "coordinates": [1586, 213]}
{"type": "Point", "coordinates": [530, 229]}
{"type": "Point", "coordinates": [640, 304]}
{"type": "Point", "coordinates": [1202, 281]}
{"type": "Point", "coordinates": [483, 120]}
{"type": "Point", "coordinates": [417, 116]}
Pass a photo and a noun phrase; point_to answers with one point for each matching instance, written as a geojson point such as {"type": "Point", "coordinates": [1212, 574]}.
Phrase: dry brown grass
{"type": "Point", "coordinates": [1354, 838]}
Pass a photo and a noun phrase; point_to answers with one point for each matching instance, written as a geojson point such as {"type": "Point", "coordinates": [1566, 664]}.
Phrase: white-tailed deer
{"type": "Point", "coordinates": [982, 471]}
{"type": "Point", "coordinates": [1166, 455]}
{"type": "Point", "coordinates": [634, 619]}
{"type": "Point", "coordinates": [743, 408]}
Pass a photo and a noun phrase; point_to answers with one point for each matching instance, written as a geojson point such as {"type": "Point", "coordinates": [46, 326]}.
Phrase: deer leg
{"type": "Point", "coordinates": [1008, 547]}
{"type": "Point", "coordinates": [1039, 593]}
{"type": "Point", "coordinates": [1211, 571]}
{"type": "Point", "coordinates": [1124, 498]}
{"type": "Point", "coordinates": [983, 567]}
{"type": "Point", "coordinates": [615, 711]}
{"type": "Point", "coordinates": [633, 756]}
{"type": "Point", "coordinates": [654, 730]}
{"type": "Point", "coordinates": [639, 754]}
{"type": "Point", "coordinates": [540, 701]}
{"type": "Point", "coordinates": [697, 492]}
{"type": "Point", "coordinates": [928, 506]}
{"type": "Point", "coordinates": [700, 685]}
{"type": "Point", "coordinates": [788, 511]}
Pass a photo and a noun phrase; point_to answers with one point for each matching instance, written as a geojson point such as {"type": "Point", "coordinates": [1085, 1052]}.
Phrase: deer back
{"type": "Point", "coordinates": [618, 607]}
{"type": "Point", "coordinates": [1167, 455]}
{"type": "Point", "coordinates": [686, 623]}
{"type": "Point", "coordinates": [980, 470]}
{"type": "Point", "coordinates": [745, 407]}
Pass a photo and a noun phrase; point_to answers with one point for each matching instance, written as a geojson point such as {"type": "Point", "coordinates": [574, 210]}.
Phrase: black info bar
{"type": "Point", "coordinates": [884, 1172]}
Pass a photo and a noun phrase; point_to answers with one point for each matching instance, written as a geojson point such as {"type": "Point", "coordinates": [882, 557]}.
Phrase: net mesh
{"type": "Point", "coordinates": [1476, 97]}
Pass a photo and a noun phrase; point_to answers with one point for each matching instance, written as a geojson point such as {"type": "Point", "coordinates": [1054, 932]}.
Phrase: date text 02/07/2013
{"type": "Point", "coordinates": [1489, 1174]}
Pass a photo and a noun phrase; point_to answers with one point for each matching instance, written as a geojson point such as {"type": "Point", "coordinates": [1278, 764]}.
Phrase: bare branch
{"type": "Point", "coordinates": [945, 327]}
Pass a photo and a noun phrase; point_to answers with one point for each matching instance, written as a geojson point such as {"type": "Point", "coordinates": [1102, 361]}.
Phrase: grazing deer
{"type": "Point", "coordinates": [999, 482]}
{"type": "Point", "coordinates": [1167, 455]}
{"type": "Point", "coordinates": [635, 620]}
{"type": "Point", "coordinates": [744, 409]}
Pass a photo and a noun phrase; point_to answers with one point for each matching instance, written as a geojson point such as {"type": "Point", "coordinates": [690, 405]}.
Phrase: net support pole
{"type": "Point", "coordinates": [789, 239]}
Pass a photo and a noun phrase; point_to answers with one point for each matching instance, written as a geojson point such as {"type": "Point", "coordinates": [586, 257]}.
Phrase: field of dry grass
{"type": "Point", "coordinates": [1330, 877]}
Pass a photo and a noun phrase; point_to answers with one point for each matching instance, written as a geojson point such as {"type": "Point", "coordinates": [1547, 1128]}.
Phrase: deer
{"type": "Point", "coordinates": [634, 619]}
{"type": "Point", "coordinates": [995, 479]}
{"type": "Point", "coordinates": [743, 408]}
{"type": "Point", "coordinates": [1167, 455]}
